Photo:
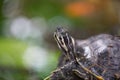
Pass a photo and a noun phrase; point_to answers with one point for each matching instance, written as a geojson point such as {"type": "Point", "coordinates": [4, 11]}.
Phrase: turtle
{"type": "Point", "coordinates": [95, 58]}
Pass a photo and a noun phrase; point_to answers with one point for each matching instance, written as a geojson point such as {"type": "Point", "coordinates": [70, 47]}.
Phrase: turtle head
{"type": "Point", "coordinates": [65, 41]}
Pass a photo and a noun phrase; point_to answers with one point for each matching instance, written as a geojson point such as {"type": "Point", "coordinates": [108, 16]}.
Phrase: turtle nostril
{"type": "Point", "coordinates": [59, 29]}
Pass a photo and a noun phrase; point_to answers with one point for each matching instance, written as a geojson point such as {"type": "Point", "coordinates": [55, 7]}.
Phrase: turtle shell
{"type": "Point", "coordinates": [99, 54]}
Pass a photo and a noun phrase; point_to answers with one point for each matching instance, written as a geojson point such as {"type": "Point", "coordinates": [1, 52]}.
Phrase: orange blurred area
{"type": "Point", "coordinates": [76, 9]}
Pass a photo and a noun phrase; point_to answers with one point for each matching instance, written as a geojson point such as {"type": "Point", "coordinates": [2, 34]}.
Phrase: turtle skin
{"type": "Point", "coordinates": [99, 54]}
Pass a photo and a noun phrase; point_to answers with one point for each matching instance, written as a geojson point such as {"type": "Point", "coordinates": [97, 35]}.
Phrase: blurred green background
{"type": "Point", "coordinates": [27, 48]}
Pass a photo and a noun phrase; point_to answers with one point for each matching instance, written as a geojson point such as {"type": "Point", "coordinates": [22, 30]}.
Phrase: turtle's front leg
{"type": "Point", "coordinates": [80, 74]}
{"type": "Point", "coordinates": [87, 76]}
{"type": "Point", "coordinates": [87, 73]}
